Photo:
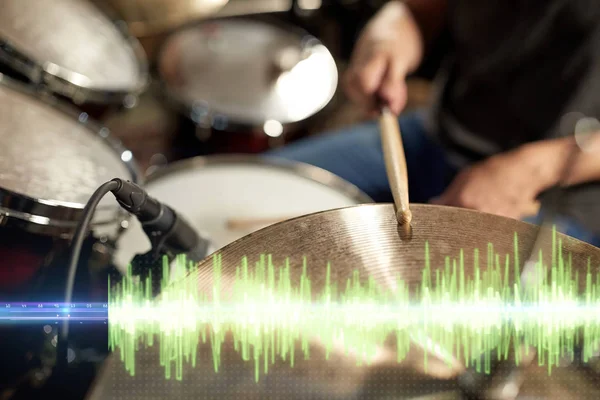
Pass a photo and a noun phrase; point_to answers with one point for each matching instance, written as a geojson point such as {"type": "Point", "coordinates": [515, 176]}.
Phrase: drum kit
{"type": "Point", "coordinates": [243, 85]}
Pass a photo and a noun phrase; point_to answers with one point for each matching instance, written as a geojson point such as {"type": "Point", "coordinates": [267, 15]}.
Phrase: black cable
{"type": "Point", "coordinates": [76, 244]}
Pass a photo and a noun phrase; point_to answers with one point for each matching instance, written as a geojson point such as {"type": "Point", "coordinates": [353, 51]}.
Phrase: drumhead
{"type": "Point", "coordinates": [211, 191]}
{"type": "Point", "coordinates": [70, 40]}
{"type": "Point", "coordinates": [248, 71]}
{"type": "Point", "coordinates": [53, 160]}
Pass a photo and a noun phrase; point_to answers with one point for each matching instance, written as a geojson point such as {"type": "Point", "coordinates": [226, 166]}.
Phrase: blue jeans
{"type": "Point", "coordinates": [355, 155]}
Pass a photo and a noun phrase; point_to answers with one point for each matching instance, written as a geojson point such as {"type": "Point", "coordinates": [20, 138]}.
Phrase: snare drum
{"type": "Point", "coordinates": [228, 197]}
{"type": "Point", "coordinates": [51, 160]}
{"type": "Point", "coordinates": [246, 85]}
{"type": "Point", "coordinates": [70, 48]}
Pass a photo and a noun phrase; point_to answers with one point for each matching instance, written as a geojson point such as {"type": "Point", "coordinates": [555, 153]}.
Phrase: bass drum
{"type": "Point", "coordinates": [228, 197]}
{"type": "Point", "coordinates": [71, 49]}
{"type": "Point", "coordinates": [246, 85]}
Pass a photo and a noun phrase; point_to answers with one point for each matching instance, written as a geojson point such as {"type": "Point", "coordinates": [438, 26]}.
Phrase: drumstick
{"type": "Point", "coordinates": [395, 164]}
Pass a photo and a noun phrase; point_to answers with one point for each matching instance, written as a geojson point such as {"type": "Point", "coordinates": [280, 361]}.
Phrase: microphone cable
{"type": "Point", "coordinates": [81, 232]}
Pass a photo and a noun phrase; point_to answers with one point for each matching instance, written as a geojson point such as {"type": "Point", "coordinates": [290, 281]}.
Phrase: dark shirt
{"type": "Point", "coordinates": [515, 70]}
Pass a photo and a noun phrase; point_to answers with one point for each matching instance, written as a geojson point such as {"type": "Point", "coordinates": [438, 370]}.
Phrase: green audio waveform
{"type": "Point", "coordinates": [469, 317]}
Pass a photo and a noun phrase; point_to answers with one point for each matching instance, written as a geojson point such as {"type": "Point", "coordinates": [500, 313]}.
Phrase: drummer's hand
{"type": "Point", "coordinates": [388, 49]}
{"type": "Point", "coordinates": [506, 185]}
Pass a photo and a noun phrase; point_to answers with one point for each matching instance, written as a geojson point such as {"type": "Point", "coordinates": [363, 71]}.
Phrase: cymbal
{"type": "Point", "coordinates": [367, 238]}
{"type": "Point", "coordinates": [364, 238]}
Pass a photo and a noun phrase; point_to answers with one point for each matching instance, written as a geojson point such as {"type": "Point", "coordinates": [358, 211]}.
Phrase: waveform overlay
{"type": "Point", "coordinates": [44, 312]}
{"type": "Point", "coordinates": [472, 318]}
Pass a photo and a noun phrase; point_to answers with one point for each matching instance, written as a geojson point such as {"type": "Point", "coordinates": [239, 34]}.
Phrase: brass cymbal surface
{"type": "Point", "coordinates": [366, 239]}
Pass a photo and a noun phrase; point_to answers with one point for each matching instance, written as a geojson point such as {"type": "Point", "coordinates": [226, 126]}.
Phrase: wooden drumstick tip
{"type": "Point", "coordinates": [404, 217]}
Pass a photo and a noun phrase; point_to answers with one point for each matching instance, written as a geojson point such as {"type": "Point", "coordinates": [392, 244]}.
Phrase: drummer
{"type": "Point", "coordinates": [496, 136]}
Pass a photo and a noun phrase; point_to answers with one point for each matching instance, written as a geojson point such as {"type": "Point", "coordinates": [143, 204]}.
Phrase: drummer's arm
{"type": "Point", "coordinates": [419, 21]}
{"type": "Point", "coordinates": [430, 16]}
{"type": "Point", "coordinates": [551, 156]}
{"type": "Point", "coordinates": [391, 47]}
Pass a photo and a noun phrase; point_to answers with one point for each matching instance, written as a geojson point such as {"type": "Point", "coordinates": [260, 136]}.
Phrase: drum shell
{"type": "Point", "coordinates": [96, 110]}
{"type": "Point", "coordinates": [201, 138]}
{"type": "Point", "coordinates": [34, 269]}
{"type": "Point", "coordinates": [34, 265]}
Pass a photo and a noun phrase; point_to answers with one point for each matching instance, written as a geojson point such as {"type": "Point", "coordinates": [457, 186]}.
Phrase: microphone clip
{"type": "Point", "coordinates": [169, 234]}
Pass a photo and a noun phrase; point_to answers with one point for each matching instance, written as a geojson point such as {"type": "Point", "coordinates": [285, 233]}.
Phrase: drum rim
{"type": "Point", "coordinates": [58, 82]}
{"type": "Point", "coordinates": [52, 217]}
{"type": "Point", "coordinates": [234, 123]}
{"type": "Point", "coordinates": [307, 171]}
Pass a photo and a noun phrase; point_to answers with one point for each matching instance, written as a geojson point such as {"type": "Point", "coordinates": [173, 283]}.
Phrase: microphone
{"type": "Point", "coordinates": [169, 234]}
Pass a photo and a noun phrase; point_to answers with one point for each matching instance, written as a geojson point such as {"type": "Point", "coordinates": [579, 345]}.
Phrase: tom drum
{"type": "Point", "coordinates": [246, 85]}
{"type": "Point", "coordinates": [70, 48]}
{"type": "Point", "coordinates": [51, 161]}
